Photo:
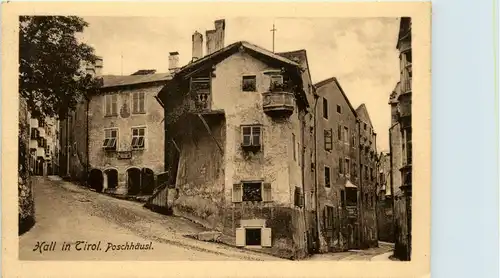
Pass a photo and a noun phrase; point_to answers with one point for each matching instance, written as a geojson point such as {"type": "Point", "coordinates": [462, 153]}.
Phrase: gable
{"type": "Point", "coordinates": [333, 84]}
{"type": "Point", "coordinates": [363, 114]}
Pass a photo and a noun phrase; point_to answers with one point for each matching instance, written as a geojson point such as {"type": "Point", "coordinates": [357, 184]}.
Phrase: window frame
{"type": "Point", "coordinates": [326, 169]}
{"type": "Point", "coordinates": [243, 86]}
{"type": "Point", "coordinates": [108, 98]}
{"type": "Point", "coordinates": [325, 108]}
{"type": "Point", "coordinates": [113, 147]}
{"type": "Point", "coordinates": [138, 98]}
{"type": "Point", "coordinates": [138, 128]}
{"type": "Point", "coordinates": [252, 135]}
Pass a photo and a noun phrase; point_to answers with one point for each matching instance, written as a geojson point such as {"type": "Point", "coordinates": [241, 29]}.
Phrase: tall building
{"type": "Point", "coordinates": [401, 144]}
{"type": "Point", "coordinates": [338, 163]}
{"type": "Point", "coordinates": [240, 145]}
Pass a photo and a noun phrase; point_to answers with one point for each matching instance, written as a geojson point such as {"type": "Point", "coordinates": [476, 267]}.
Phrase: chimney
{"type": "Point", "coordinates": [215, 38]}
{"type": "Point", "coordinates": [197, 46]}
{"type": "Point", "coordinates": [98, 66]}
{"type": "Point", "coordinates": [173, 62]}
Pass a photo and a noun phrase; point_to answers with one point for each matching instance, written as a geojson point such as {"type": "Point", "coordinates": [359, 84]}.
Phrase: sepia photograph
{"type": "Point", "coordinates": [216, 138]}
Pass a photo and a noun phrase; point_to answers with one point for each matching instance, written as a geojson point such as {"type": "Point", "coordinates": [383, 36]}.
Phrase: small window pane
{"type": "Point", "coordinates": [247, 130]}
{"type": "Point", "coordinates": [134, 141]}
{"type": "Point", "coordinates": [141, 142]}
{"type": "Point", "coordinates": [141, 132]}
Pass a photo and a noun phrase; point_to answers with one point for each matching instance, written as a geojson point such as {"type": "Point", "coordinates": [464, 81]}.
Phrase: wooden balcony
{"type": "Point", "coordinates": [278, 103]}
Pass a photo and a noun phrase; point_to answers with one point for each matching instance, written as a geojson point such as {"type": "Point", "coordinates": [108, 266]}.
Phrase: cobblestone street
{"type": "Point", "coordinates": [67, 213]}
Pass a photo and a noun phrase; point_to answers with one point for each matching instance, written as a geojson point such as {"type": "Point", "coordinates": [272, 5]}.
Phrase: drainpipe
{"type": "Point", "coordinates": [318, 227]}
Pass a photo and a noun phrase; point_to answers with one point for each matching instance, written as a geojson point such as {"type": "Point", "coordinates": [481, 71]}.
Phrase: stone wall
{"type": "Point", "coordinates": [25, 189]}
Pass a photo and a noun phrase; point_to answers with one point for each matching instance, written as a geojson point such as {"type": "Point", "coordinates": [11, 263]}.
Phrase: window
{"type": "Point", "coordinates": [353, 141]}
{"type": "Point", "coordinates": [364, 126]}
{"type": "Point", "coordinates": [328, 139]}
{"type": "Point", "coordinates": [341, 166]}
{"type": "Point", "coordinates": [325, 108]}
{"type": "Point", "coordinates": [253, 236]}
{"type": "Point", "coordinates": [366, 172]}
{"type": "Point", "coordinates": [138, 103]}
{"type": "Point", "coordinates": [293, 145]}
{"type": "Point", "coordinates": [110, 138]}
{"type": "Point", "coordinates": [111, 105]}
{"type": "Point", "coordinates": [249, 83]}
{"type": "Point", "coordinates": [339, 132]}
{"type": "Point", "coordinates": [347, 166]}
{"type": "Point", "coordinates": [339, 109]}
{"type": "Point", "coordinates": [252, 192]}
{"type": "Point", "coordinates": [252, 136]}
{"type": "Point", "coordinates": [327, 176]}
{"type": "Point", "coordinates": [276, 82]}
{"type": "Point", "coordinates": [342, 198]}
{"type": "Point", "coordinates": [371, 173]}
{"type": "Point", "coordinates": [354, 169]}
{"type": "Point", "coordinates": [366, 199]}
{"type": "Point", "coordinates": [346, 135]}
{"type": "Point", "coordinates": [47, 150]}
{"type": "Point", "coordinates": [138, 138]}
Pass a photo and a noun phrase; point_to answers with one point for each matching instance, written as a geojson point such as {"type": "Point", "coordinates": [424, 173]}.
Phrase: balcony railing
{"type": "Point", "coordinates": [278, 103]}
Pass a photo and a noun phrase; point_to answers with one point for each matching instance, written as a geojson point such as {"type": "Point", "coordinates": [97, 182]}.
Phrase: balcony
{"type": "Point", "coordinates": [200, 94]}
{"type": "Point", "coordinates": [278, 103]}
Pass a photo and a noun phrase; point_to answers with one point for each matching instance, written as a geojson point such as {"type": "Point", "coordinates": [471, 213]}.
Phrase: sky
{"type": "Point", "coordinates": [360, 52]}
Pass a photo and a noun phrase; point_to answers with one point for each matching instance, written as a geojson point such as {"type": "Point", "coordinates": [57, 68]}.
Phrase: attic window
{"type": "Point", "coordinates": [339, 109]}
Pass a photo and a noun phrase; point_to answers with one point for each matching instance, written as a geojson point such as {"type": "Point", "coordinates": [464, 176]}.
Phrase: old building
{"type": "Point", "coordinates": [385, 224]}
{"type": "Point", "coordinates": [368, 177]}
{"type": "Point", "coordinates": [236, 117]}
{"type": "Point", "coordinates": [337, 160]}
{"type": "Point", "coordinates": [73, 135]}
{"type": "Point", "coordinates": [44, 146]}
{"type": "Point", "coordinates": [401, 144]}
{"type": "Point", "coordinates": [125, 132]}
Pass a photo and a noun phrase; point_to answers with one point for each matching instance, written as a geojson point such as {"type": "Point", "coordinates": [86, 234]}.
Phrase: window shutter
{"type": "Point", "coordinates": [266, 237]}
{"type": "Point", "coordinates": [237, 193]}
{"type": "Point", "coordinates": [266, 193]}
{"type": "Point", "coordinates": [240, 237]}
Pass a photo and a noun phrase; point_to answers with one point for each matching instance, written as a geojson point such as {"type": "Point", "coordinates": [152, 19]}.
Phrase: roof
{"type": "Point", "coordinates": [363, 111]}
{"type": "Point", "coordinates": [334, 79]}
{"type": "Point", "coordinates": [235, 46]}
{"type": "Point", "coordinates": [349, 184]}
{"type": "Point", "coordinates": [127, 80]}
{"type": "Point", "coordinates": [299, 56]}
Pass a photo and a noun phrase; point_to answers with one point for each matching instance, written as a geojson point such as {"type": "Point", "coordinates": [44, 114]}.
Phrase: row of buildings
{"type": "Point", "coordinates": [395, 168]}
{"type": "Point", "coordinates": [239, 140]}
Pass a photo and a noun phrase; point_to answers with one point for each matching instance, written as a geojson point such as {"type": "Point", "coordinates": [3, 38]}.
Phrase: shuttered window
{"type": "Point", "coordinates": [328, 139]}
{"type": "Point", "coordinates": [266, 237]}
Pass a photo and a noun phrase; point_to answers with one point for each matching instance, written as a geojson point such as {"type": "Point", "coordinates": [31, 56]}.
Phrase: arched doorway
{"type": "Point", "coordinates": [133, 181]}
{"type": "Point", "coordinates": [96, 180]}
{"type": "Point", "coordinates": [147, 181]}
{"type": "Point", "coordinates": [111, 178]}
